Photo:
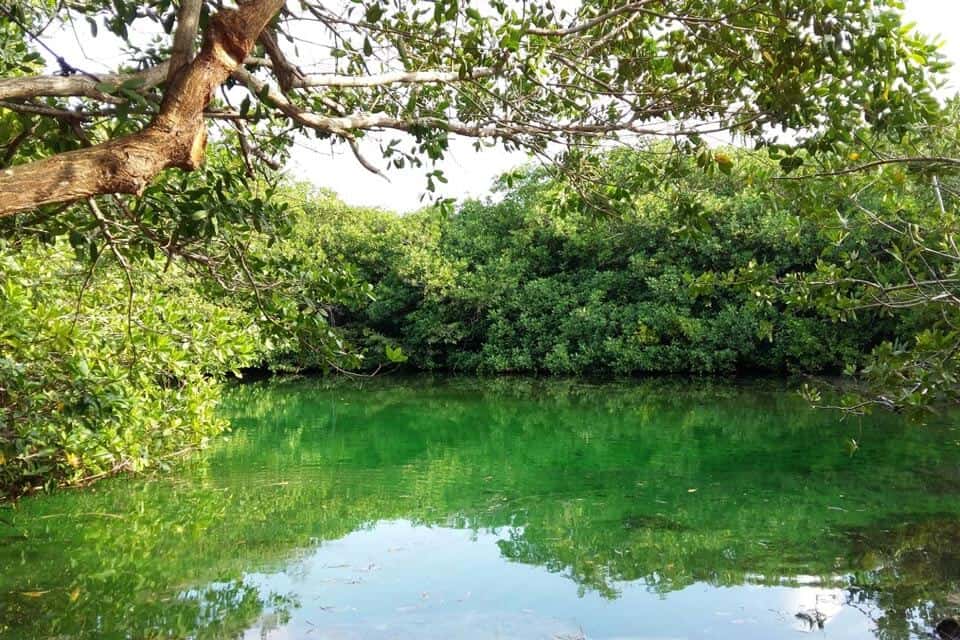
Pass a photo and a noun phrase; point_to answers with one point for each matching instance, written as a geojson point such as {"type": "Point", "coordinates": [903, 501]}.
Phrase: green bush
{"type": "Point", "coordinates": [96, 377]}
{"type": "Point", "coordinates": [669, 277]}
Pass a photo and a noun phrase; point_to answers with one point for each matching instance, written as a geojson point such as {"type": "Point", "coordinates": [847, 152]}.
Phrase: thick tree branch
{"type": "Point", "coordinates": [85, 86]}
{"type": "Point", "coordinates": [71, 115]}
{"type": "Point", "coordinates": [175, 138]}
{"type": "Point", "coordinates": [78, 85]}
{"type": "Point", "coordinates": [287, 73]}
{"type": "Point", "coordinates": [188, 20]}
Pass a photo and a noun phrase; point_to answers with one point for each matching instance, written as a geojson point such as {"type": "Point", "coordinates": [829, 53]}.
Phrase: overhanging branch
{"type": "Point", "coordinates": [79, 85]}
{"type": "Point", "coordinates": [175, 138]}
{"type": "Point", "coordinates": [86, 86]}
{"type": "Point", "coordinates": [504, 128]}
{"type": "Point", "coordinates": [188, 20]}
{"type": "Point", "coordinates": [393, 77]}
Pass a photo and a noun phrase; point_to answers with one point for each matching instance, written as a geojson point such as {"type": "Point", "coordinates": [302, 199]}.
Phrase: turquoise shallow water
{"type": "Point", "coordinates": [418, 507]}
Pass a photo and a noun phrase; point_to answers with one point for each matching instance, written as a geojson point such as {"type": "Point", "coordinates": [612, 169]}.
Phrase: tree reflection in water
{"type": "Point", "coordinates": [669, 487]}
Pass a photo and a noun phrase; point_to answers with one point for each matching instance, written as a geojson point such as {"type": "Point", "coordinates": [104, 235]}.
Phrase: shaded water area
{"type": "Point", "coordinates": [420, 508]}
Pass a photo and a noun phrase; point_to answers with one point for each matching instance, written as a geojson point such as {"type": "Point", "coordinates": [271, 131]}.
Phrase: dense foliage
{"type": "Point", "coordinates": [539, 281]}
{"type": "Point", "coordinates": [95, 378]}
{"type": "Point", "coordinates": [676, 258]}
{"type": "Point", "coordinates": [707, 264]}
{"type": "Point", "coordinates": [710, 271]}
{"type": "Point", "coordinates": [893, 227]}
{"type": "Point", "coordinates": [684, 265]}
{"type": "Point", "coordinates": [118, 324]}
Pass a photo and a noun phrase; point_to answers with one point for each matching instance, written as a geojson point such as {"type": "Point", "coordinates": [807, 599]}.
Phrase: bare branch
{"type": "Point", "coordinates": [393, 77]}
{"type": "Point", "coordinates": [50, 112]}
{"type": "Point", "coordinates": [79, 85]}
{"type": "Point", "coordinates": [252, 150]}
{"type": "Point", "coordinates": [369, 166]}
{"type": "Point", "coordinates": [288, 74]}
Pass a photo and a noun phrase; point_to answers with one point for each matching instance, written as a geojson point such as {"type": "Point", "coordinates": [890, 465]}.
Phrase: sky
{"type": "Point", "coordinates": [469, 173]}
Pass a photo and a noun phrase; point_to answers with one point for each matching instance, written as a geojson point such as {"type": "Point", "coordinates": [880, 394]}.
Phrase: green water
{"type": "Point", "coordinates": [420, 508]}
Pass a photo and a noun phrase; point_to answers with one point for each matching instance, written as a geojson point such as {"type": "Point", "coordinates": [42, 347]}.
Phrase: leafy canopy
{"type": "Point", "coordinates": [521, 74]}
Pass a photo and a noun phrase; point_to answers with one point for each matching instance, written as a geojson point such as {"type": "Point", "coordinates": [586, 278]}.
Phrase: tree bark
{"type": "Point", "coordinates": [188, 20]}
{"type": "Point", "coordinates": [175, 138]}
{"type": "Point", "coordinates": [78, 85]}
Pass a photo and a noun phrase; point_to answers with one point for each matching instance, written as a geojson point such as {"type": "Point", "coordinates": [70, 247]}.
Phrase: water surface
{"type": "Point", "coordinates": [420, 508]}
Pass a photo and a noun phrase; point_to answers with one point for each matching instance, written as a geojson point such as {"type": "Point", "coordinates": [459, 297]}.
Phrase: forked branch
{"type": "Point", "coordinates": [175, 138]}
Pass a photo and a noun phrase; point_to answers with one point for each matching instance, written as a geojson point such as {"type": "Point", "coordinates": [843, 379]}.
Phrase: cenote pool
{"type": "Point", "coordinates": [461, 508]}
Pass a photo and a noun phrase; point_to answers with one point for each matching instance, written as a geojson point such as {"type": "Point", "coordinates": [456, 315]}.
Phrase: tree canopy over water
{"type": "Point", "coordinates": [523, 75]}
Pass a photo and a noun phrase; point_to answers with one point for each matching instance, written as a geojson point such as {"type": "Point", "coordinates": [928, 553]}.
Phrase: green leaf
{"type": "Point", "coordinates": [395, 354]}
{"type": "Point", "coordinates": [790, 163]}
{"type": "Point", "coordinates": [724, 162]}
{"type": "Point", "coordinates": [374, 13]}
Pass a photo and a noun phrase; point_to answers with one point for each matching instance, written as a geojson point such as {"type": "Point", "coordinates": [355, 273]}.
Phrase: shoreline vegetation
{"type": "Point", "coordinates": [112, 368]}
{"type": "Point", "coordinates": [821, 240]}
